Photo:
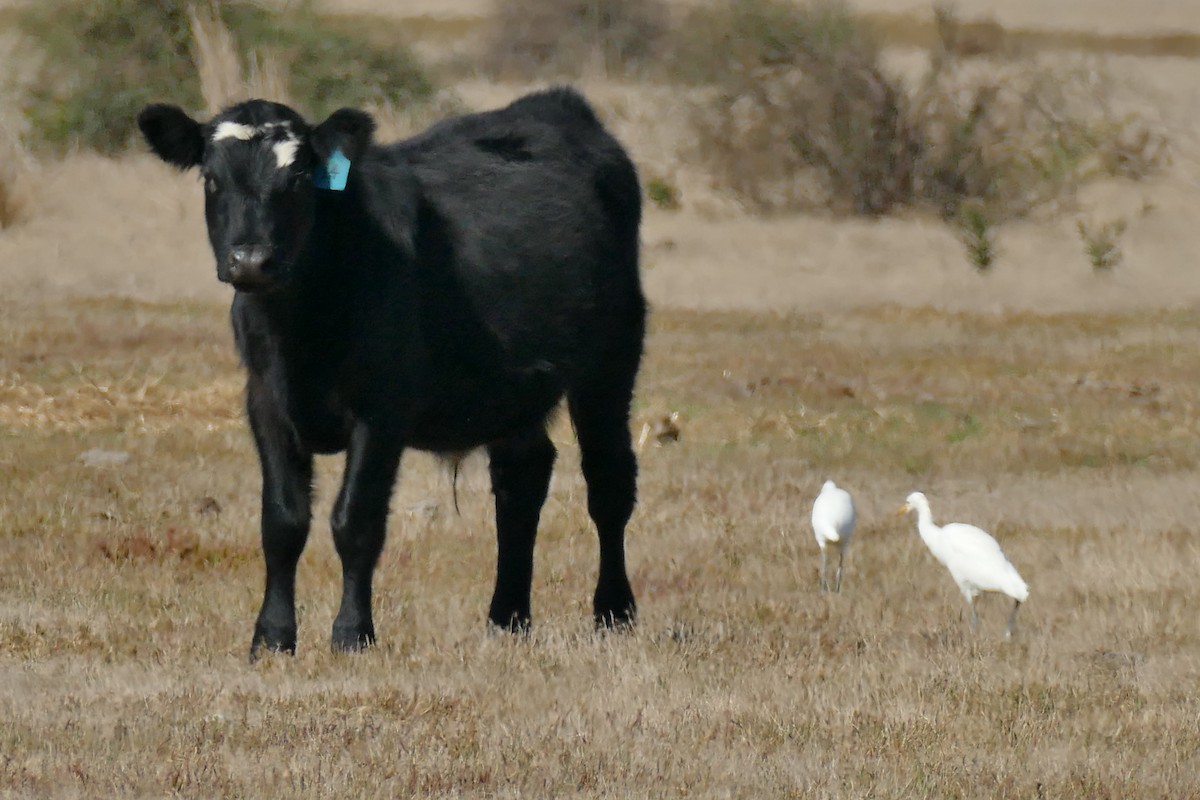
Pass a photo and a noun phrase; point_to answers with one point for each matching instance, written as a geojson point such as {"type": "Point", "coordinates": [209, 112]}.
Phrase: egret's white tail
{"type": "Point", "coordinates": [1015, 587]}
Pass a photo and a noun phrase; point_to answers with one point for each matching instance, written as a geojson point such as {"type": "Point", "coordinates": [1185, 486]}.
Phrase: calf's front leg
{"type": "Point", "coordinates": [359, 527]}
{"type": "Point", "coordinates": [286, 514]}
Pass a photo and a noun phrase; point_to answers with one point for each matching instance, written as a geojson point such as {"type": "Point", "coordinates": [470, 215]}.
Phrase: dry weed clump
{"type": "Point", "coordinates": [531, 38]}
{"type": "Point", "coordinates": [14, 186]}
{"type": "Point", "coordinates": [222, 79]}
{"type": "Point", "coordinates": [804, 117]}
{"type": "Point", "coordinates": [14, 198]}
{"type": "Point", "coordinates": [215, 53]}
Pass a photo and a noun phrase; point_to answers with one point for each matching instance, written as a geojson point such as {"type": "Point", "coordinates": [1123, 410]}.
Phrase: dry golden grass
{"type": "Point", "coordinates": [127, 593]}
{"type": "Point", "coordinates": [221, 80]}
{"type": "Point", "coordinates": [15, 171]}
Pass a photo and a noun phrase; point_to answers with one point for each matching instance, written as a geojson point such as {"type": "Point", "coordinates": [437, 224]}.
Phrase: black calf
{"type": "Point", "coordinates": [442, 293]}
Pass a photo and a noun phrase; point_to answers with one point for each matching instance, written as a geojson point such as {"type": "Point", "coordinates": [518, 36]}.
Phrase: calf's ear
{"type": "Point", "coordinates": [174, 137]}
{"type": "Point", "coordinates": [348, 130]}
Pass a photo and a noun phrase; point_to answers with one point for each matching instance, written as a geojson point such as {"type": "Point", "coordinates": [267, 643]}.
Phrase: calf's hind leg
{"type": "Point", "coordinates": [610, 468]}
{"type": "Point", "coordinates": [520, 468]}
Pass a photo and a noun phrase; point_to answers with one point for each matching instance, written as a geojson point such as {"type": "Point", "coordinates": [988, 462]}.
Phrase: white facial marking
{"type": "Point", "coordinates": [285, 151]}
{"type": "Point", "coordinates": [235, 130]}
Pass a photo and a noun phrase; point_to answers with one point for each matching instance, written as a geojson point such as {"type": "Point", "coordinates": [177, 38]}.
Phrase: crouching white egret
{"type": "Point", "coordinates": [833, 522]}
{"type": "Point", "coordinates": [973, 557]}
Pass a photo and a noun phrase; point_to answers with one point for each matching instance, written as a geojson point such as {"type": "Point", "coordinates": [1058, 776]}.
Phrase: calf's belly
{"type": "Point", "coordinates": [464, 422]}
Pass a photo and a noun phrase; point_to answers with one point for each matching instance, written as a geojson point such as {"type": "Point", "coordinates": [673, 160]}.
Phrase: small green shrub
{"type": "Point", "coordinates": [100, 61]}
{"type": "Point", "coordinates": [975, 232]}
{"type": "Point", "coordinates": [535, 38]}
{"type": "Point", "coordinates": [662, 193]}
{"type": "Point", "coordinates": [1101, 243]}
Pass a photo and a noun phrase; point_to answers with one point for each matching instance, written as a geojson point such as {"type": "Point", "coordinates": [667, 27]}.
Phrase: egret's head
{"type": "Point", "coordinates": [913, 502]}
{"type": "Point", "coordinates": [828, 486]}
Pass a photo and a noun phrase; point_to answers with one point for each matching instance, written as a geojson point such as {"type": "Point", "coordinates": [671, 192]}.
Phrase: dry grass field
{"type": "Point", "coordinates": [1056, 407]}
{"type": "Point", "coordinates": [127, 591]}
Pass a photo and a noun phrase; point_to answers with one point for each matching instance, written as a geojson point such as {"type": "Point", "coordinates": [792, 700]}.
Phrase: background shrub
{"type": "Point", "coordinates": [563, 38]}
{"type": "Point", "coordinates": [99, 61]}
{"type": "Point", "coordinates": [718, 38]}
{"type": "Point", "coordinates": [1011, 135]}
{"type": "Point", "coordinates": [800, 115]}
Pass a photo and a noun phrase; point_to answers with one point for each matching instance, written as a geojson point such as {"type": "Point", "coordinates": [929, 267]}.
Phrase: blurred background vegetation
{"type": "Point", "coordinates": [790, 106]}
{"type": "Point", "coordinates": [99, 61]}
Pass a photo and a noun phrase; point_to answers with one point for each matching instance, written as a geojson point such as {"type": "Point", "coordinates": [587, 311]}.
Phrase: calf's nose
{"type": "Point", "coordinates": [247, 263]}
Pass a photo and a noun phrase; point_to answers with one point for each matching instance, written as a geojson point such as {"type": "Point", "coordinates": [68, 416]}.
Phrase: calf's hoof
{"type": "Point", "coordinates": [352, 638]}
{"type": "Point", "coordinates": [514, 622]}
{"type": "Point", "coordinates": [272, 640]}
{"type": "Point", "coordinates": [615, 609]}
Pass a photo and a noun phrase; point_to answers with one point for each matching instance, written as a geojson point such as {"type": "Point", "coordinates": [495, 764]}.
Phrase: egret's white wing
{"type": "Point", "coordinates": [974, 555]}
{"type": "Point", "coordinates": [833, 515]}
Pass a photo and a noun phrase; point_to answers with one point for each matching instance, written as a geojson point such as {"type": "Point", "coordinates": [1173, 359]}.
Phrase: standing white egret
{"type": "Point", "coordinates": [833, 522]}
{"type": "Point", "coordinates": [973, 557]}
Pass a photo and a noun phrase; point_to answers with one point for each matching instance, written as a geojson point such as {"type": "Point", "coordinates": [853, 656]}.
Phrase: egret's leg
{"type": "Point", "coordinates": [974, 616]}
{"type": "Point", "coordinates": [824, 581]}
{"type": "Point", "coordinates": [1012, 620]}
{"type": "Point", "coordinates": [837, 578]}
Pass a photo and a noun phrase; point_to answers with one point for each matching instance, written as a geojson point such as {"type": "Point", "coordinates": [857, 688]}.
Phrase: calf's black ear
{"type": "Point", "coordinates": [348, 130]}
{"type": "Point", "coordinates": [174, 137]}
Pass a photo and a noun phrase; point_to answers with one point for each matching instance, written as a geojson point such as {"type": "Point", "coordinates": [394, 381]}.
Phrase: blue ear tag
{"type": "Point", "coordinates": [333, 173]}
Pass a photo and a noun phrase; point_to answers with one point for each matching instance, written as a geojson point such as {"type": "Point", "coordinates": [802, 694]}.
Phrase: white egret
{"type": "Point", "coordinates": [973, 557]}
{"type": "Point", "coordinates": [833, 523]}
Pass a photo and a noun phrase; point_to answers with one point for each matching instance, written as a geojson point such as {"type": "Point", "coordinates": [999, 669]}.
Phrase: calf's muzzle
{"type": "Point", "coordinates": [249, 267]}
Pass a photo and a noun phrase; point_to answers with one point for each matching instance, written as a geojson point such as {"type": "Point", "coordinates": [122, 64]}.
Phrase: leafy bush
{"type": "Point", "coordinates": [531, 38]}
{"type": "Point", "coordinates": [100, 61]}
{"type": "Point", "coordinates": [802, 116]}
{"type": "Point", "coordinates": [799, 114]}
{"type": "Point", "coordinates": [1014, 135]}
{"type": "Point", "coordinates": [736, 36]}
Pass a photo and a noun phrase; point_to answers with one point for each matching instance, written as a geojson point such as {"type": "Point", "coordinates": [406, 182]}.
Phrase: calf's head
{"type": "Point", "coordinates": [258, 160]}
